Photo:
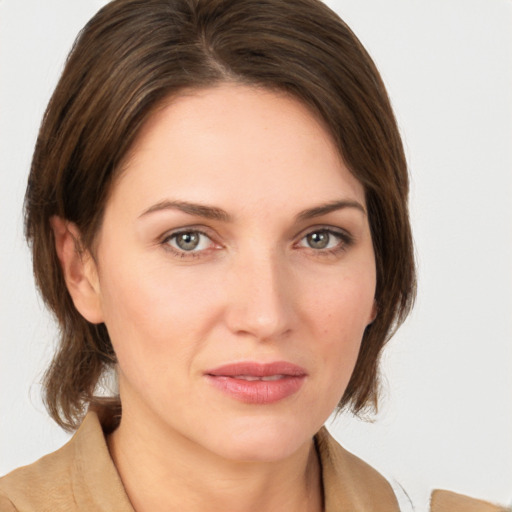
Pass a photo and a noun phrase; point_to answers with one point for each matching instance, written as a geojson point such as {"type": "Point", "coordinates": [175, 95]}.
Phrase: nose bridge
{"type": "Point", "coordinates": [260, 301]}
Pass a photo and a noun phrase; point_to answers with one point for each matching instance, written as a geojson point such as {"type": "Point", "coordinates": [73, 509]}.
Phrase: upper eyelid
{"type": "Point", "coordinates": [186, 229]}
{"type": "Point", "coordinates": [331, 229]}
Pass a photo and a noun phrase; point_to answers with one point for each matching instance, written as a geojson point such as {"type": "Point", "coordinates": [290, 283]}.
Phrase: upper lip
{"type": "Point", "coordinates": [256, 369]}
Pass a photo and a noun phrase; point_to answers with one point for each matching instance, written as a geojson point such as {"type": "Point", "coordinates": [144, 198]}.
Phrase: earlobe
{"type": "Point", "coordinates": [374, 312]}
{"type": "Point", "coordinates": [79, 270]}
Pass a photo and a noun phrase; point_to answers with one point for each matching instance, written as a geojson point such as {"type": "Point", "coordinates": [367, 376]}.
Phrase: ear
{"type": "Point", "coordinates": [79, 269]}
{"type": "Point", "coordinates": [374, 312]}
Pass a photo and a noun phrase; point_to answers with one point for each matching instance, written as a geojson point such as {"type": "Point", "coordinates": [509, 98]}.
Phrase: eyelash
{"type": "Point", "coordinates": [345, 241]}
{"type": "Point", "coordinates": [180, 253]}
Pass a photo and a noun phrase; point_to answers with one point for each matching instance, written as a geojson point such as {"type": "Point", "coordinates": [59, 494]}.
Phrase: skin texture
{"type": "Point", "coordinates": [256, 288]}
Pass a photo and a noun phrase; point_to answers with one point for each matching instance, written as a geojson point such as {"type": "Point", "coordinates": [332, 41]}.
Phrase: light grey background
{"type": "Point", "coordinates": [446, 415]}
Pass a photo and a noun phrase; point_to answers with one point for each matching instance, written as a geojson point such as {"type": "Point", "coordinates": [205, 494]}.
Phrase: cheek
{"type": "Point", "coordinates": [345, 304]}
{"type": "Point", "coordinates": [339, 316]}
{"type": "Point", "coordinates": [155, 316]}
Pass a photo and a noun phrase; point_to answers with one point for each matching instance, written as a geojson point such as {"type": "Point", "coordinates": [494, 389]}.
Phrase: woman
{"type": "Point", "coordinates": [217, 209]}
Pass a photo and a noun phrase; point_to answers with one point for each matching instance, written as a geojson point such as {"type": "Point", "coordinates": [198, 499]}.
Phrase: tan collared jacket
{"type": "Point", "coordinates": [81, 476]}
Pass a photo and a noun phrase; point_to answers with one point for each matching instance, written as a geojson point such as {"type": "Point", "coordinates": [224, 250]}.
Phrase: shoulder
{"type": "Point", "coordinates": [79, 476]}
{"type": "Point", "coordinates": [352, 484]}
{"type": "Point", "coordinates": [447, 501]}
{"type": "Point", "coordinates": [6, 504]}
{"type": "Point", "coordinates": [35, 486]}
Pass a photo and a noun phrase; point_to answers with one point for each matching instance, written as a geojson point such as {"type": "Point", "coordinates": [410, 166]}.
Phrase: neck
{"type": "Point", "coordinates": [162, 470]}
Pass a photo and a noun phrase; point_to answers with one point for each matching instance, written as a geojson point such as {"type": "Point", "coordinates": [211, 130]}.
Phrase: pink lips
{"type": "Point", "coordinates": [256, 383]}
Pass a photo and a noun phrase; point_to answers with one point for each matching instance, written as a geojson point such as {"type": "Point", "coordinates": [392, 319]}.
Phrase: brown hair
{"type": "Point", "coordinates": [133, 55]}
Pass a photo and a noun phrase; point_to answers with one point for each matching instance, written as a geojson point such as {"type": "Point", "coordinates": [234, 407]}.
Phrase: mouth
{"type": "Point", "coordinates": [252, 378]}
{"type": "Point", "coordinates": [257, 383]}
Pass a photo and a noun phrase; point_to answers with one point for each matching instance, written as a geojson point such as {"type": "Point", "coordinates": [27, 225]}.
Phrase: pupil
{"type": "Point", "coordinates": [187, 241]}
{"type": "Point", "coordinates": [318, 240]}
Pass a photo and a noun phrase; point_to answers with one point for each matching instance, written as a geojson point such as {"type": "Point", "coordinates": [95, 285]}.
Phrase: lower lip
{"type": "Point", "coordinates": [257, 391]}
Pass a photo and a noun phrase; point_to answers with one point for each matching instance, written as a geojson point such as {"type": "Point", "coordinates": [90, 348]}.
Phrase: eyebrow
{"type": "Point", "coordinates": [215, 213]}
{"type": "Point", "coordinates": [329, 207]}
{"type": "Point", "coordinates": [208, 212]}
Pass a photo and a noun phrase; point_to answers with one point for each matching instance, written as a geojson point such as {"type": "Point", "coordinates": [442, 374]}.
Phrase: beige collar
{"type": "Point", "coordinates": [83, 475]}
{"type": "Point", "coordinates": [349, 483]}
{"type": "Point", "coordinates": [95, 479]}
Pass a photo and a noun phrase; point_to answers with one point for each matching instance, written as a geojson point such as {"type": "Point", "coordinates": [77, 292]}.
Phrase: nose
{"type": "Point", "coordinates": [260, 301]}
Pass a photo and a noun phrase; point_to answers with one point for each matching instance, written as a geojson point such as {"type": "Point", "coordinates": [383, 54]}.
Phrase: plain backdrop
{"type": "Point", "coordinates": [446, 414]}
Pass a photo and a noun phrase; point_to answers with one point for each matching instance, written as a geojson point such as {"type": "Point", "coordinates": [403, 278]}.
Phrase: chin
{"type": "Point", "coordinates": [263, 440]}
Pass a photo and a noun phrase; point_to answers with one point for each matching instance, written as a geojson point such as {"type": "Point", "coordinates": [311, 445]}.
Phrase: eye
{"type": "Point", "coordinates": [325, 240]}
{"type": "Point", "coordinates": [189, 241]}
{"type": "Point", "coordinates": [319, 240]}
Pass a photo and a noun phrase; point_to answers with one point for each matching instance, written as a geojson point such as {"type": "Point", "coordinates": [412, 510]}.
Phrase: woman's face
{"type": "Point", "coordinates": [235, 273]}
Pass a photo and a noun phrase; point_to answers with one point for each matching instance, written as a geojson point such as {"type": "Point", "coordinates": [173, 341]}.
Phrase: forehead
{"type": "Point", "coordinates": [235, 139]}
